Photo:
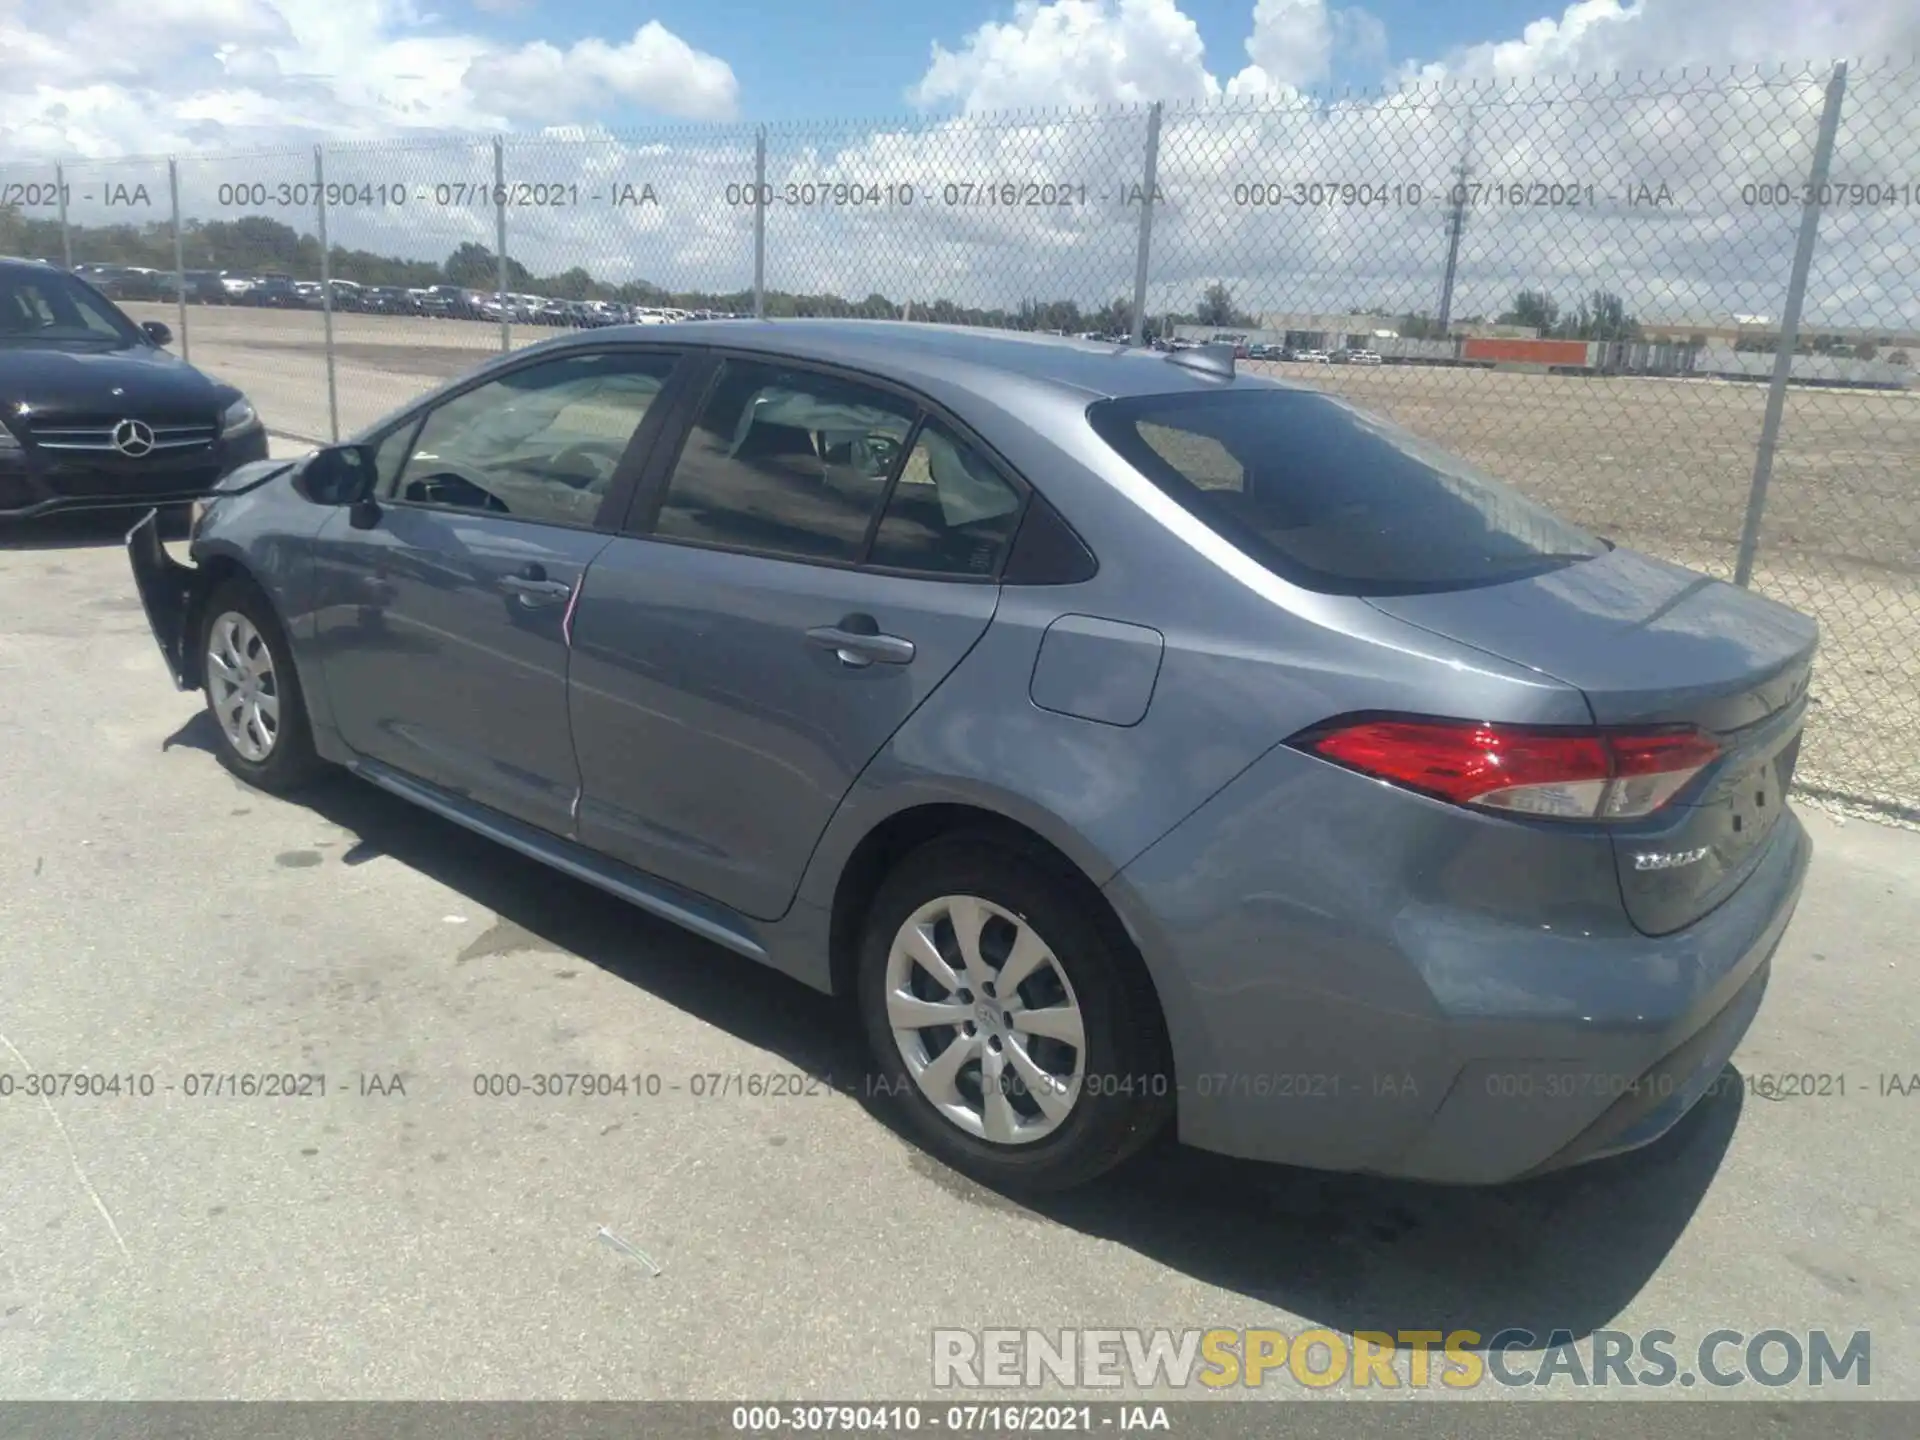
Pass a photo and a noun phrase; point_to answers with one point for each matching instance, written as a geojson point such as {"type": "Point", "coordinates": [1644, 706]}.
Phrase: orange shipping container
{"type": "Point", "coordinates": [1527, 352]}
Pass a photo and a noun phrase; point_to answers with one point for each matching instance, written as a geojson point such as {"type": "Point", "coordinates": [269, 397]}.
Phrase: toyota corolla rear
{"type": "Point", "coordinates": [1503, 894]}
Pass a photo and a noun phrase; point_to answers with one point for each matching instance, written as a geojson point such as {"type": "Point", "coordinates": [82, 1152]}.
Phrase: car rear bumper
{"type": "Point", "coordinates": [35, 483]}
{"type": "Point", "coordinates": [1327, 1009]}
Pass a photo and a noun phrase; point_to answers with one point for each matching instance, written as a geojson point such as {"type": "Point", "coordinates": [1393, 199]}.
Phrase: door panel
{"type": "Point", "coordinates": [443, 642]}
{"type": "Point", "coordinates": [443, 627]}
{"type": "Point", "coordinates": [716, 736]}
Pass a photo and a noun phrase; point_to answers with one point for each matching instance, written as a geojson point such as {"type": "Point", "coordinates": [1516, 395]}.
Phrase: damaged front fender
{"type": "Point", "coordinates": [169, 592]}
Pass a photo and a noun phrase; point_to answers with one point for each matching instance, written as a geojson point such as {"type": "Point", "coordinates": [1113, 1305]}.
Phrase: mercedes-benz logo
{"type": "Point", "coordinates": [133, 437]}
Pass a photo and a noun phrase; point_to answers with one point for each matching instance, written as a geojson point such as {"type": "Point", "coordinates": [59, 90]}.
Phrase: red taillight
{"type": "Point", "coordinates": [1570, 774]}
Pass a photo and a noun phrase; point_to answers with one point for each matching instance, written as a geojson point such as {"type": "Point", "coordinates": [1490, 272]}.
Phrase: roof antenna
{"type": "Point", "coordinates": [1216, 360]}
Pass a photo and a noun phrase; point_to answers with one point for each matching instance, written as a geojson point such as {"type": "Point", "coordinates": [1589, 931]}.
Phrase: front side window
{"type": "Point", "coordinates": [391, 454]}
{"type": "Point", "coordinates": [785, 462]}
{"type": "Point", "coordinates": [1333, 499]}
{"type": "Point", "coordinates": [541, 443]}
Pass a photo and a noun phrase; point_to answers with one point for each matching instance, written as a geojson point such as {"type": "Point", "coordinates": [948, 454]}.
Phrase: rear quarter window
{"type": "Point", "coordinates": [1333, 499]}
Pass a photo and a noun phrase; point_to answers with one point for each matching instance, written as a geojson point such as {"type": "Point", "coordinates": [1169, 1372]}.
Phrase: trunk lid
{"type": "Point", "coordinates": [1649, 643]}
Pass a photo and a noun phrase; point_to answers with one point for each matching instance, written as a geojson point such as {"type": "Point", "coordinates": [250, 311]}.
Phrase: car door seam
{"type": "Point", "coordinates": [566, 686]}
{"type": "Point", "coordinates": [813, 851]}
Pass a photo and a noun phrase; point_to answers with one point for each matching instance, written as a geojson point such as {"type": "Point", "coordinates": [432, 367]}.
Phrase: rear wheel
{"type": "Point", "coordinates": [1021, 1041]}
{"type": "Point", "coordinates": [253, 693]}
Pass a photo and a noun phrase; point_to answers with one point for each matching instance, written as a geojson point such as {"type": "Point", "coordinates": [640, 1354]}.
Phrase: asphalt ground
{"type": "Point", "coordinates": [403, 1236]}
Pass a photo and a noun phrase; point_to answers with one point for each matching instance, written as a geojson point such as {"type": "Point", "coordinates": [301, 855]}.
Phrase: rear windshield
{"type": "Point", "coordinates": [1333, 499]}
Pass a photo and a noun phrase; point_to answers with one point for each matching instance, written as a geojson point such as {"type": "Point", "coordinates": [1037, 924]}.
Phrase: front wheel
{"type": "Point", "coordinates": [253, 693]}
{"type": "Point", "coordinates": [1021, 1041]}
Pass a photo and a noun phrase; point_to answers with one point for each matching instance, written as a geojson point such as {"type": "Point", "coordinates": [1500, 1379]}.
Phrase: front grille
{"type": "Point", "coordinates": [97, 438]}
{"type": "Point", "coordinates": [79, 482]}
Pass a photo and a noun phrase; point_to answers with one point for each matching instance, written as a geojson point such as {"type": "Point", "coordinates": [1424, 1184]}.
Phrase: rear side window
{"type": "Point", "coordinates": [787, 463]}
{"type": "Point", "coordinates": [949, 513]}
{"type": "Point", "coordinates": [1333, 499]}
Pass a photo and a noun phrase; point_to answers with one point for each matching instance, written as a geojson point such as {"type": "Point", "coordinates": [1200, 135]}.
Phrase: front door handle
{"type": "Point", "coordinates": [857, 642]}
{"type": "Point", "coordinates": [534, 588]}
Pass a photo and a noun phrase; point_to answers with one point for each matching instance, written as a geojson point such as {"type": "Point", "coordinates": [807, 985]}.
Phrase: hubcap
{"type": "Point", "coordinates": [246, 693]}
{"type": "Point", "coordinates": [986, 1020]}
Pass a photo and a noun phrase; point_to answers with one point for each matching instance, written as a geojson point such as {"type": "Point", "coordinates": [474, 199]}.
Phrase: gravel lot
{"type": "Point", "coordinates": [1662, 465]}
{"type": "Point", "coordinates": [162, 920]}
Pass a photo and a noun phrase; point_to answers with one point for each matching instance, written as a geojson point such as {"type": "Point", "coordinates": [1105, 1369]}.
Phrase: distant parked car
{"type": "Point", "coordinates": [207, 287]}
{"type": "Point", "coordinates": [274, 292]}
{"type": "Point", "coordinates": [450, 302]}
{"type": "Point", "coordinates": [1362, 357]}
{"type": "Point", "coordinates": [124, 282]}
{"type": "Point", "coordinates": [386, 300]}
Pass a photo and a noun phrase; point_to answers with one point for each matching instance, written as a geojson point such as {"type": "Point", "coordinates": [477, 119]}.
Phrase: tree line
{"type": "Point", "coordinates": [258, 244]}
{"type": "Point", "coordinates": [1601, 315]}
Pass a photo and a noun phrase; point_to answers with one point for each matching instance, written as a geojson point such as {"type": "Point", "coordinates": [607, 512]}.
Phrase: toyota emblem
{"type": "Point", "coordinates": [133, 437]}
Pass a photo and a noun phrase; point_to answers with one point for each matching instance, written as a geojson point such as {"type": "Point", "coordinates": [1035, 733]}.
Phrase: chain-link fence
{"type": "Point", "coordinates": [1682, 309]}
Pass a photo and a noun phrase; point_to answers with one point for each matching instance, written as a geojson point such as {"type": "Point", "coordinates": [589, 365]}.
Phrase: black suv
{"type": "Point", "coordinates": [95, 414]}
{"type": "Point", "coordinates": [274, 292]}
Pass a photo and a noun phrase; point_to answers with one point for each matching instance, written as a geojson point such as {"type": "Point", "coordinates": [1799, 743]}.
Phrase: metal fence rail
{"type": "Point", "coordinates": [1682, 309]}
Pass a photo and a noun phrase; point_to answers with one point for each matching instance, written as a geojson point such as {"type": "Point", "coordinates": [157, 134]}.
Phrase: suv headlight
{"type": "Point", "coordinates": [240, 416]}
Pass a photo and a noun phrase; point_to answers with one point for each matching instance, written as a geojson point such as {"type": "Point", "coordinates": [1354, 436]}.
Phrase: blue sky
{"type": "Point", "coordinates": [860, 57]}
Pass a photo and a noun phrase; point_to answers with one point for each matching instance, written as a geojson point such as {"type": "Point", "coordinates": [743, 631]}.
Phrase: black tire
{"type": "Point", "coordinates": [1126, 1098]}
{"type": "Point", "coordinates": [290, 762]}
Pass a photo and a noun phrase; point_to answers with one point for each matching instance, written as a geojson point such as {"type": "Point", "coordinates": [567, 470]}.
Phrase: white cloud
{"type": "Point", "coordinates": [104, 77]}
{"type": "Point", "coordinates": [655, 68]}
{"type": "Point", "coordinates": [1091, 52]}
{"type": "Point", "coordinates": [1604, 36]}
{"type": "Point", "coordinates": [1291, 47]}
{"type": "Point", "coordinates": [1072, 52]}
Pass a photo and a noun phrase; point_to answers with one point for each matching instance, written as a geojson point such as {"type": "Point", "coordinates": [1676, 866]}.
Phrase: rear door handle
{"type": "Point", "coordinates": [858, 646]}
{"type": "Point", "coordinates": [534, 588]}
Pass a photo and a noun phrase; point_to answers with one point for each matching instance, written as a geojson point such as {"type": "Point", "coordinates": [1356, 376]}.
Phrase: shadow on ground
{"type": "Point", "coordinates": [1565, 1252]}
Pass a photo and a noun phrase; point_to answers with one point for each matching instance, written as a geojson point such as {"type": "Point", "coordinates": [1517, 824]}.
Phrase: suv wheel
{"type": "Point", "coordinates": [1021, 1041]}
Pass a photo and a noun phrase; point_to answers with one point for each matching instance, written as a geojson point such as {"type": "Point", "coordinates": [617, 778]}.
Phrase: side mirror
{"type": "Point", "coordinates": [339, 475]}
{"type": "Point", "coordinates": [156, 332]}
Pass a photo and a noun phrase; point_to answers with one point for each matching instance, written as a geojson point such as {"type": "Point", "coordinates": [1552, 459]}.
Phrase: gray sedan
{"type": "Point", "coordinates": [1142, 747]}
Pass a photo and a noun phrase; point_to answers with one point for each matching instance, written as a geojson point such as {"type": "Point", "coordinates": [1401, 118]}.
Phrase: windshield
{"type": "Point", "coordinates": [1333, 499]}
{"type": "Point", "coordinates": [39, 307]}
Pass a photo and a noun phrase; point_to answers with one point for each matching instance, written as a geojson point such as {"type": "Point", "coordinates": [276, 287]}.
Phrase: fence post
{"type": "Point", "coordinates": [760, 223]}
{"type": "Point", "coordinates": [500, 239]}
{"type": "Point", "coordinates": [1456, 225]}
{"type": "Point", "coordinates": [1790, 325]}
{"type": "Point", "coordinates": [66, 236]}
{"type": "Point", "coordinates": [326, 290]}
{"type": "Point", "coordinates": [1143, 254]}
{"type": "Point", "coordinates": [179, 258]}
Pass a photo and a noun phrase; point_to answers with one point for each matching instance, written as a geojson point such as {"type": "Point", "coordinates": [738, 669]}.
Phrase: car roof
{"type": "Point", "coordinates": [940, 357]}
